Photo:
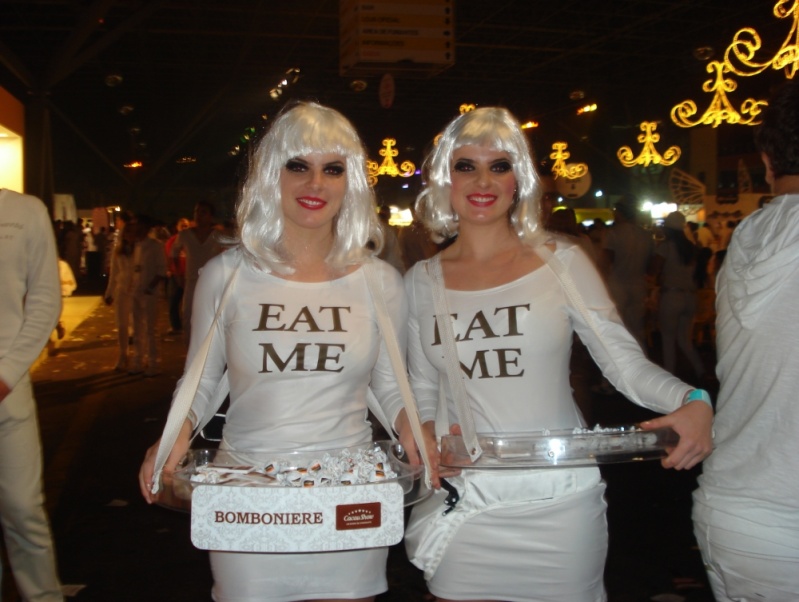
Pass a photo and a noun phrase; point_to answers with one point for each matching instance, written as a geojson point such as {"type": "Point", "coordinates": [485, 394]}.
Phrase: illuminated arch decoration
{"type": "Point", "coordinates": [466, 108]}
{"type": "Point", "coordinates": [740, 54]}
{"type": "Point", "coordinates": [685, 188]}
{"type": "Point", "coordinates": [560, 168]}
{"type": "Point", "coordinates": [649, 153]}
{"type": "Point", "coordinates": [389, 167]}
{"type": "Point", "coordinates": [720, 109]}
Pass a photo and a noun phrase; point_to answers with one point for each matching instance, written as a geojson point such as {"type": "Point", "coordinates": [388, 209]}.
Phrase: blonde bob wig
{"type": "Point", "coordinates": [300, 130]}
{"type": "Point", "coordinates": [497, 129]}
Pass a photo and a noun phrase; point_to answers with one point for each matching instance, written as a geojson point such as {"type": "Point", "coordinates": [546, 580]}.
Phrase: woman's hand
{"type": "Point", "coordinates": [406, 439]}
{"type": "Point", "coordinates": [693, 422]}
{"type": "Point", "coordinates": [148, 466]}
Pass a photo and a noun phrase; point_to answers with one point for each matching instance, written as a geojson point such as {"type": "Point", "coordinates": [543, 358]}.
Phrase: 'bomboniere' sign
{"type": "Point", "coordinates": [288, 519]}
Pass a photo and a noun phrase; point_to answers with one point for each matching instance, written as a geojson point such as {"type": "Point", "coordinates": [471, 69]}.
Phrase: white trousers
{"type": "Point", "coordinates": [123, 305]}
{"type": "Point", "coordinates": [145, 316]}
{"type": "Point", "coordinates": [28, 540]}
{"type": "Point", "coordinates": [747, 561]}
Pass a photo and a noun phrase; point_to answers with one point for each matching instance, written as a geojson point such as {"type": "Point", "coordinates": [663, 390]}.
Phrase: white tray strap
{"type": "Point", "coordinates": [573, 293]}
{"type": "Point", "coordinates": [395, 355]}
{"type": "Point", "coordinates": [452, 361]}
{"type": "Point", "coordinates": [188, 389]}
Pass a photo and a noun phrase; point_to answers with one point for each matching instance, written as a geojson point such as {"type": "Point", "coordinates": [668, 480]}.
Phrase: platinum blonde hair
{"type": "Point", "coordinates": [301, 130]}
{"type": "Point", "coordinates": [498, 129]}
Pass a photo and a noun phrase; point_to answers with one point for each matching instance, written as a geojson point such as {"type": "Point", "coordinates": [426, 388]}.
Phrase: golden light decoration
{"type": "Point", "coordinates": [529, 125]}
{"type": "Point", "coordinates": [746, 42]}
{"type": "Point", "coordinates": [389, 167]}
{"type": "Point", "coordinates": [587, 109]}
{"type": "Point", "coordinates": [572, 171]}
{"type": "Point", "coordinates": [720, 109]}
{"type": "Point", "coordinates": [649, 153]}
{"type": "Point", "coordinates": [466, 107]}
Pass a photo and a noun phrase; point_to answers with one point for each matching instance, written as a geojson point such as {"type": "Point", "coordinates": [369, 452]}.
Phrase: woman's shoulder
{"type": "Point", "coordinates": [387, 273]}
{"type": "Point", "coordinates": [419, 270]}
{"type": "Point", "coordinates": [223, 262]}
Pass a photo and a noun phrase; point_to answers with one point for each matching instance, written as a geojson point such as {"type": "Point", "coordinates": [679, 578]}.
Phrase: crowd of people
{"type": "Point", "coordinates": [486, 295]}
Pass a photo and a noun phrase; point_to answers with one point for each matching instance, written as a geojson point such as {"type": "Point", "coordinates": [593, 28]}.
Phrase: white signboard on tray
{"type": "Point", "coordinates": [289, 519]}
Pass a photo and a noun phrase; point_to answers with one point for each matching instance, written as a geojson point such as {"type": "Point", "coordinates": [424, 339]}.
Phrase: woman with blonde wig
{"type": "Point", "coordinates": [530, 534]}
{"type": "Point", "coordinates": [299, 336]}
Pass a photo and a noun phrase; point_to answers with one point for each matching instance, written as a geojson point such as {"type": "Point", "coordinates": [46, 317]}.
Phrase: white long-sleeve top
{"type": "Point", "coordinates": [514, 344]}
{"type": "Point", "coordinates": [31, 300]}
{"type": "Point", "coordinates": [149, 262]}
{"type": "Point", "coordinates": [754, 469]}
{"type": "Point", "coordinates": [301, 356]}
{"type": "Point", "coordinates": [120, 277]}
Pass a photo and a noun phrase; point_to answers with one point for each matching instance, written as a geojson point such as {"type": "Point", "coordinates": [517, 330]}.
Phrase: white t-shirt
{"type": "Point", "coordinates": [301, 356]}
{"type": "Point", "coordinates": [197, 253]}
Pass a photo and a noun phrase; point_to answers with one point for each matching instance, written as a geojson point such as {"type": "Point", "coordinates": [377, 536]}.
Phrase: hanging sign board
{"type": "Point", "coordinates": [416, 34]}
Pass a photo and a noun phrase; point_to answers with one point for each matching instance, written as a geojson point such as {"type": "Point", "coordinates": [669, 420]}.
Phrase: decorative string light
{"type": "Point", "coordinates": [746, 43]}
{"type": "Point", "coordinates": [572, 171]}
{"type": "Point", "coordinates": [466, 107]}
{"type": "Point", "coordinates": [649, 153]}
{"type": "Point", "coordinates": [720, 109]}
{"type": "Point", "coordinates": [389, 167]}
{"type": "Point", "coordinates": [739, 59]}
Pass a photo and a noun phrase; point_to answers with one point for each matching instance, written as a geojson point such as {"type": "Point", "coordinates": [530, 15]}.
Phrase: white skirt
{"type": "Point", "coordinates": [519, 536]}
{"type": "Point", "coordinates": [254, 577]}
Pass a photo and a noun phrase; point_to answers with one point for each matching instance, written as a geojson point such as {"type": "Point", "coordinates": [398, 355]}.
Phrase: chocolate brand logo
{"type": "Point", "coordinates": [358, 516]}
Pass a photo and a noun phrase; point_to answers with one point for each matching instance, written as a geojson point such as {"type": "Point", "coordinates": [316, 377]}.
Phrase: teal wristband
{"type": "Point", "coordinates": [698, 395]}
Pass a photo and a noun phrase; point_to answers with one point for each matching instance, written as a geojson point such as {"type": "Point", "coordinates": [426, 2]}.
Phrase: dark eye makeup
{"type": "Point", "coordinates": [299, 166]}
{"type": "Point", "coordinates": [499, 166]}
{"type": "Point", "coordinates": [296, 165]}
{"type": "Point", "coordinates": [334, 169]}
{"type": "Point", "coordinates": [502, 166]}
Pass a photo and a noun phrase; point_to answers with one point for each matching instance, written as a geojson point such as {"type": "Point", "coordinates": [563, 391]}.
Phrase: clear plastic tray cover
{"type": "Point", "coordinates": [573, 447]}
{"type": "Point", "coordinates": [177, 487]}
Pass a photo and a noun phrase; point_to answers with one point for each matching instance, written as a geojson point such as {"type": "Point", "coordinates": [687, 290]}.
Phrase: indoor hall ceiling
{"type": "Point", "coordinates": [197, 74]}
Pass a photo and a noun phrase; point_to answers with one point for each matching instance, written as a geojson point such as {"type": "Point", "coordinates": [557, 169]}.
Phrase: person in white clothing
{"type": "Point", "coordinates": [119, 290]}
{"type": "Point", "coordinates": [746, 508]}
{"type": "Point", "coordinates": [30, 305]}
{"type": "Point", "coordinates": [629, 250]}
{"type": "Point", "coordinates": [149, 271]}
{"type": "Point", "coordinates": [674, 268]}
{"type": "Point", "coordinates": [535, 534]}
{"type": "Point", "coordinates": [197, 244]}
{"type": "Point", "coordinates": [299, 337]}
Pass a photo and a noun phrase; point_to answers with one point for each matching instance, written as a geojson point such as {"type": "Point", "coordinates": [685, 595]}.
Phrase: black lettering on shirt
{"type": "Point", "coordinates": [271, 318]}
{"type": "Point", "coordinates": [328, 360]}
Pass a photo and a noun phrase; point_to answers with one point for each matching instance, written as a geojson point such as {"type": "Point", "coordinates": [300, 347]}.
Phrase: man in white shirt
{"type": "Point", "coordinates": [746, 509]}
{"type": "Point", "coordinates": [30, 305]}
